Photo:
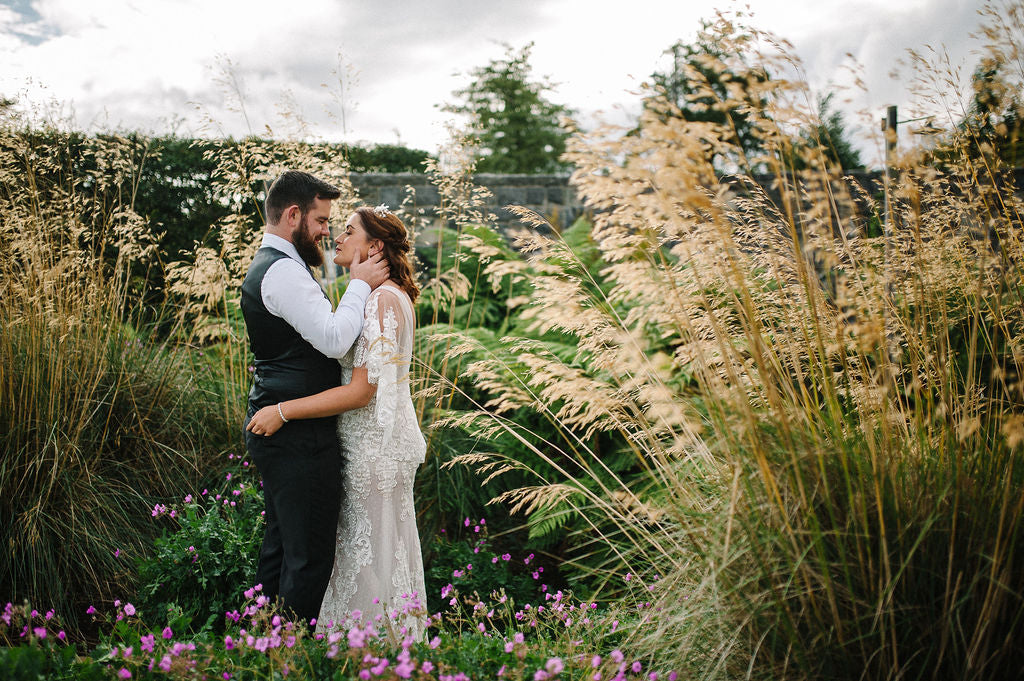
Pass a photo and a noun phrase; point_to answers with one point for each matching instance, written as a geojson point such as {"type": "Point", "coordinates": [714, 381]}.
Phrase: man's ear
{"type": "Point", "coordinates": [292, 215]}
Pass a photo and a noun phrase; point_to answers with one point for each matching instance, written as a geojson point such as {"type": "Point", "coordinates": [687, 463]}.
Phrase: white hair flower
{"type": "Point", "coordinates": [382, 211]}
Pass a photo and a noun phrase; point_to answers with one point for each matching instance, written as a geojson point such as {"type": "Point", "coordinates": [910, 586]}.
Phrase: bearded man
{"type": "Point", "coordinates": [297, 338]}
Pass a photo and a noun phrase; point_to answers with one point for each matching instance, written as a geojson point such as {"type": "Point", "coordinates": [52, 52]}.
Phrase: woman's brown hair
{"type": "Point", "coordinates": [396, 246]}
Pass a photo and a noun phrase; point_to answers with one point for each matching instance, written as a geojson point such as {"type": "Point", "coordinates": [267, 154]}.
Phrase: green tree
{"type": "Point", "coordinates": [711, 80]}
{"type": "Point", "coordinates": [994, 119]}
{"type": "Point", "coordinates": [516, 126]}
{"type": "Point", "coordinates": [829, 136]}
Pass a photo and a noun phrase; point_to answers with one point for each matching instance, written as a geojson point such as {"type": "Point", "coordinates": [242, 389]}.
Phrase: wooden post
{"type": "Point", "coordinates": [889, 124]}
{"type": "Point", "coordinates": [889, 129]}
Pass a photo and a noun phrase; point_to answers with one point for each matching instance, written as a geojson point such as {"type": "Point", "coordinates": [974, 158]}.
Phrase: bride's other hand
{"type": "Point", "coordinates": [265, 422]}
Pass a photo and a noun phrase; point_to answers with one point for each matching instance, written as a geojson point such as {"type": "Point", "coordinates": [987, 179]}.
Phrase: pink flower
{"type": "Point", "coordinates": [595, 661]}
{"type": "Point", "coordinates": [229, 643]}
{"type": "Point", "coordinates": [427, 667]}
{"type": "Point", "coordinates": [405, 669]}
{"type": "Point", "coordinates": [124, 674]}
{"type": "Point", "coordinates": [129, 609]}
{"type": "Point", "coordinates": [637, 667]}
{"type": "Point", "coordinates": [554, 666]}
{"type": "Point", "coordinates": [167, 633]}
{"type": "Point", "coordinates": [40, 632]}
{"type": "Point", "coordinates": [146, 642]}
{"type": "Point", "coordinates": [90, 611]}
{"type": "Point", "coordinates": [356, 637]}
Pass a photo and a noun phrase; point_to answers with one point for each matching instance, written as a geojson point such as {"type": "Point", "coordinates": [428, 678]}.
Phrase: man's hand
{"type": "Point", "coordinates": [265, 422]}
{"type": "Point", "coordinates": [374, 271]}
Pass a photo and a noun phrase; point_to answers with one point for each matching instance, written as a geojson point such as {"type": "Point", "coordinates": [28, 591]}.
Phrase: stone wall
{"type": "Point", "coordinates": [548, 195]}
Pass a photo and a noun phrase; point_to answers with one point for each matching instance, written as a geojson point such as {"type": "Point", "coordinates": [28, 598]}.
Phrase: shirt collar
{"type": "Point", "coordinates": [283, 245]}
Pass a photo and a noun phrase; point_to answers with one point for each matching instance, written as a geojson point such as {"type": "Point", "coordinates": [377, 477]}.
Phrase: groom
{"type": "Point", "coordinates": [297, 338]}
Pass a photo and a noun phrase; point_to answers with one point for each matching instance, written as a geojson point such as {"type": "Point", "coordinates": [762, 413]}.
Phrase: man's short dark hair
{"type": "Point", "coordinates": [296, 188]}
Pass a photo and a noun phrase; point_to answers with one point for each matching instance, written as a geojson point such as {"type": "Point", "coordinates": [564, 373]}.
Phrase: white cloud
{"type": "Point", "coordinates": [140, 63]}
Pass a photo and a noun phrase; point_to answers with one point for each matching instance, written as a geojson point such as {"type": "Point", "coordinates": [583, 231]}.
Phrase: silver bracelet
{"type": "Point", "coordinates": [281, 413]}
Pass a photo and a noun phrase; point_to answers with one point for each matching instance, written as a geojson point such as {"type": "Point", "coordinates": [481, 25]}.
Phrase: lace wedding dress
{"type": "Point", "coordinates": [378, 568]}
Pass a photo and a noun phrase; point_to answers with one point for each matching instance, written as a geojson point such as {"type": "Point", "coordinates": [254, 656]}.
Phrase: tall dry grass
{"type": "Point", "coordinates": [826, 424]}
{"type": "Point", "coordinates": [98, 418]}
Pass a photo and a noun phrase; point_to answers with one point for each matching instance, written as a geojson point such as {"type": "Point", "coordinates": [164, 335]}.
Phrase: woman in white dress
{"type": "Point", "coordinates": [378, 568]}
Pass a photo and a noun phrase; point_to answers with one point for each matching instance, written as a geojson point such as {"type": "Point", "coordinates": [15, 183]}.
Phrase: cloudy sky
{"type": "Point", "coordinates": [377, 70]}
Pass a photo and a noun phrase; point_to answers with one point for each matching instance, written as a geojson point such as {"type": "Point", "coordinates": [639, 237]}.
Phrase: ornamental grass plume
{"type": "Point", "coordinates": [98, 418]}
{"type": "Point", "coordinates": [823, 413]}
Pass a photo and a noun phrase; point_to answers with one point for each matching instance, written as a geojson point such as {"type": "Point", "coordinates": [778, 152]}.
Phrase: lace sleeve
{"type": "Point", "coordinates": [377, 350]}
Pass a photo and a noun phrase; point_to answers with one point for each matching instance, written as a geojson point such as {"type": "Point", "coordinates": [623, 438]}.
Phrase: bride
{"type": "Point", "coordinates": [378, 569]}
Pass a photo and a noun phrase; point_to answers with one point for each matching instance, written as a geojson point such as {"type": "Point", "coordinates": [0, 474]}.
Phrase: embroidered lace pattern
{"type": "Point", "coordinates": [378, 568]}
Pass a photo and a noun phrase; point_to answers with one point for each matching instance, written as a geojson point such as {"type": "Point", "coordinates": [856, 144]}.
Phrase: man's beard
{"type": "Point", "coordinates": [308, 248]}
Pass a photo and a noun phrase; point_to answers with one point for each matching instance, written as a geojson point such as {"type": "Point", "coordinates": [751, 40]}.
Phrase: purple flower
{"type": "Point", "coordinates": [146, 642]}
{"type": "Point", "coordinates": [90, 611]}
{"type": "Point", "coordinates": [40, 632]}
{"type": "Point", "coordinates": [229, 643]}
{"type": "Point", "coordinates": [124, 674]}
{"type": "Point", "coordinates": [167, 633]}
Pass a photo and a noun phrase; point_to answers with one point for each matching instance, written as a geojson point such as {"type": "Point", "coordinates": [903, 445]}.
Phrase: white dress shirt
{"type": "Point", "coordinates": [289, 292]}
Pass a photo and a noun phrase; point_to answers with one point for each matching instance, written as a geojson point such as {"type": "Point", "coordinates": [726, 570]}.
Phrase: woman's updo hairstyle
{"type": "Point", "coordinates": [380, 223]}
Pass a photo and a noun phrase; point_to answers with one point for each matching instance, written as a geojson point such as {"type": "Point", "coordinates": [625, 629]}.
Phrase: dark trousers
{"type": "Point", "coordinates": [302, 486]}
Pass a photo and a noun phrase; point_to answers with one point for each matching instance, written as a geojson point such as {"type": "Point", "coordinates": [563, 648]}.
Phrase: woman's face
{"type": "Point", "coordinates": [351, 241]}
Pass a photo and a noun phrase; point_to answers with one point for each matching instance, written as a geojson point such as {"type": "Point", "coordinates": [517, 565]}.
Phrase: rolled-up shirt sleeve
{"type": "Point", "coordinates": [290, 292]}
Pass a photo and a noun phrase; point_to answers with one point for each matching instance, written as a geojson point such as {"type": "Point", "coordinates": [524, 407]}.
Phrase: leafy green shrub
{"type": "Point", "coordinates": [200, 567]}
{"type": "Point", "coordinates": [475, 564]}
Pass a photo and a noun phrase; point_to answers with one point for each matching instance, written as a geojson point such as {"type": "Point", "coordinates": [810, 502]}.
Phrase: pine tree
{"type": "Point", "coordinates": [516, 127]}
